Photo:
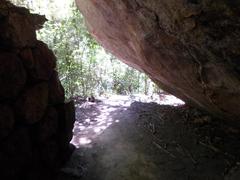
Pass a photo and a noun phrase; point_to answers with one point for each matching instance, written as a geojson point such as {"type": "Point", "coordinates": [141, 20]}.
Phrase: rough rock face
{"type": "Point", "coordinates": [35, 122]}
{"type": "Point", "coordinates": [190, 48]}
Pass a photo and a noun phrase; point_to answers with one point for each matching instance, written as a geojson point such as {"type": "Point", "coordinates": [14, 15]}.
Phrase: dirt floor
{"type": "Point", "coordinates": [120, 139]}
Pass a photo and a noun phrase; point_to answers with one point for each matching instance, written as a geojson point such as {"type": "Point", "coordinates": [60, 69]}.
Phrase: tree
{"type": "Point", "coordinates": [84, 67]}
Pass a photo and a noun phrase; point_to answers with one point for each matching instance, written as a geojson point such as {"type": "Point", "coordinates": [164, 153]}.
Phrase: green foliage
{"type": "Point", "coordinates": [83, 65]}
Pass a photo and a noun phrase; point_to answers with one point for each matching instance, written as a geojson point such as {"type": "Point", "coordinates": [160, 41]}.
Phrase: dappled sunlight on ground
{"type": "Point", "coordinates": [92, 119]}
{"type": "Point", "coordinates": [148, 141]}
{"type": "Point", "coordinates": [163, 99]}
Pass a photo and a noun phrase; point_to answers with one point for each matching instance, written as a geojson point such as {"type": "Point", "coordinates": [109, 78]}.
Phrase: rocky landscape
{"type": "Point", "coordinates": [190, 48]}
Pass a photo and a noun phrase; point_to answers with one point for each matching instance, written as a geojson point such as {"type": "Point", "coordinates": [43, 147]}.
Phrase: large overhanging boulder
{"type": "Point", "coordinates": [190, 48]}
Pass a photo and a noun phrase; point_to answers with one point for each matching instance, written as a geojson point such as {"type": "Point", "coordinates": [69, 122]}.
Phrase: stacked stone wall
{"type": "Point", "coordinates": [35, 121]}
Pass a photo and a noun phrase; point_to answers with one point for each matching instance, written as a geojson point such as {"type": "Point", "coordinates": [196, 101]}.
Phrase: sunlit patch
{"type": "Point", "coordinates": [81, 127]}
{"type": "Point", "coordinates": [104, 127]}
{"type": "Point", "coordinates": [84, 141]}
{"type": "Point", "coordinates": [171, 100]}
{"type": "Point", "coordinates": [92, 123]}
{"type": "Point", "coordinates": [101, 123]}
{"type": "Point", "coordinates": [97, 129]}
{"type": "Point", "coordinates": [163, 99]}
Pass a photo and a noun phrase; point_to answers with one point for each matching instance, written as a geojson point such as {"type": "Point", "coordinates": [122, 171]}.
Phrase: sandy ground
{"type": "Point", "coordinates": [121, 139]}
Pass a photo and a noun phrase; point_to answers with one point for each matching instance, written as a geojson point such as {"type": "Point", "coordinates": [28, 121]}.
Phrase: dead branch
{"type": "Point", "coordinates": [163, 149]}
{"type": "Point", "coordinates": [188, 153]}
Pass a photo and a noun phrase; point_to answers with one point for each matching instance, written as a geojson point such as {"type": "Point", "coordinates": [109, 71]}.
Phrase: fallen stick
{"type": "Point", "coordinates": [210, 147]}
{"type": "Point", "coordinates": [188, 154]}
{"type": "Point", "coordinates": [163, 149]}
{"type": "Point", "coordinates": [153, 129]}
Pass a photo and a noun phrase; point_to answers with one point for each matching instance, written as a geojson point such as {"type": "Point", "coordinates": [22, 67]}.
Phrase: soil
{"type": "Point", "coordinates": [123, 139]}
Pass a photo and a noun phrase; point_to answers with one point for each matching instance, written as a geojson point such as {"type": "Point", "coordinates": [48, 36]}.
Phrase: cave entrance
{"type": "Point", "coordinates": [89, 73]}
{"type": "Point", "coordinates": [126, 127]}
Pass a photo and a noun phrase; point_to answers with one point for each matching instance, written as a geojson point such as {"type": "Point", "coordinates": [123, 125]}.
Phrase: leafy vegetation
{"type": "Point", "coordinates": [84, 67]}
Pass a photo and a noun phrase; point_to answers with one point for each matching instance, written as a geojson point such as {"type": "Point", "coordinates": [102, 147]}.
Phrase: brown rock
{"type": "Point", "coordinates": [69, 117]}
{"type": "Point", "coordinates": [189, 48]}
{"type": "Point", "coordinates": [29, 131]}
{"type": "Point", "coordinates": [6, 121]}
{"type": "Point", "coordinates": [44, 62]}
{"type": "Point", "coordinates": [12, 76]}
{"type": "Point", "coordinates": [56, 90]}
{"type": "Point", "coordinates": [15, 154]}
{"type": "Point", "coordinates": [40, 62]}
{"type": "Point", "coordinates": [32, 105]}
{"type": "Point", "coordinates": [18, 26]}
{"type": "Point", "coordinates": [49, 154]}
{"type": "Point", "coordinates": [27, 58]}
{"type": "Point", "coordinates": [48, 127]}
{"type": "Point", "coordinates": [66, 122]}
